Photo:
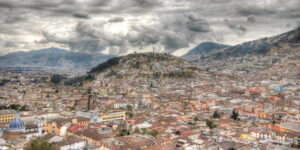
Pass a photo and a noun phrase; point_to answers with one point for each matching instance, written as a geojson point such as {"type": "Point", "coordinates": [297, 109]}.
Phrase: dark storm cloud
{"type": "Point", "coordinates": [10, 44]}
{"type": "Point", "coordinates": [13, 16]}
{"type": "Point", "coordinates": [171, 42]}
{"type": "Point", "coordinates": [116, 19]}
{"type": "Point", "coordinates": [146, 3]}
{"type": "Point", "coordinates": [197, 24]}
{"type": "Point", "coordinates": [6, 5]}
{"type": "Point", "coordinates": [13, 19]}
{"type": "Point", "coordinates": [251, 19]}
{"type": "Point", "coordinates": [238, 28]}
{"type": "Point", "coordinates": [89, 38]}
{"type": "Point", "coordinates": [252, 10]}
{"type": "Point", "coordinates": [168, 24]}
{"type": "Point", "coordinates": [86, 38]}
{"type": "Point", "coordinates": [82, 15]}
{"type": "Point", "coordinates": [143, 36]}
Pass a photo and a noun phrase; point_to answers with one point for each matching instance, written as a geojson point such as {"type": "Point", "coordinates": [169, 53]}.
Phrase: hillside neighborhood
{"type": "Point", "coordinates": [135, 109]}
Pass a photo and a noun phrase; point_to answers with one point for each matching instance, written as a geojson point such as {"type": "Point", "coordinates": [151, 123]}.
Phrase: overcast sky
{"type": "Point", "coordinates": [123, 26]}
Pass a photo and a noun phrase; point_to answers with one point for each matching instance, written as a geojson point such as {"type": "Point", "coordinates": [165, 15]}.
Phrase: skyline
{"type": "Point", "coordinates": [122, 27]}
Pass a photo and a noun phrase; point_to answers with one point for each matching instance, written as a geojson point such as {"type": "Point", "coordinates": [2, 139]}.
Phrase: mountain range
{"type": "Point", "coordinates": [208, 52]}
{"type": "Point", "coordinates": [53, 58]}
{"type": "Point", "coordinates": [203, 50]}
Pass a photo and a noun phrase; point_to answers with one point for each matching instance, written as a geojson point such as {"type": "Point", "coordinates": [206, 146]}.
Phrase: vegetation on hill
{"type": "Point", "coordinates": [56, 78]}
{"type": "Point", "coordinates": [146, 65]}
{"type": "Point", "coordinates": [216, 114]}
{"type": "Point", "coordinates": [101, 67]}
{"type": "Point", "coordinates": [79, 80]}
{"type": "Point", "coordinates": [16, 107]}
{"type": "Point", "coordinates": [3, 81]}
{"type": "Point", "coordinates": [211, 124]}
{"type": "Point", "coordinates": [235, 115]}
{"type": "Point", "coordinates": [38, 144]}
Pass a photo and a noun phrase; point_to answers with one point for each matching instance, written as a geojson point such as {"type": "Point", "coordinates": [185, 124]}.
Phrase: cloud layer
{"type": "Point", "coordinates": [124, 26]}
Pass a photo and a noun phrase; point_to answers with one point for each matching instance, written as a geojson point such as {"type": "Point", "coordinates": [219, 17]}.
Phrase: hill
{"type": "Point", "coordinates": [203, 50]}
{"type": "Point", "coordinates": [52, 58]}
{"type": "Point", "coordinates": [147, 65]}
{"type": "Point", "coordinates": [258, 54]}
{"type": "Point", "coordinates": [277, 44]}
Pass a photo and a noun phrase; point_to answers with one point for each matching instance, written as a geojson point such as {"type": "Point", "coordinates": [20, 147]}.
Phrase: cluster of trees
{"type": "Point", "coordinates": [124, 132]}
{"type": "Point", "coordinates": [130, 115]}
{"type": "Point", "coordinates": [112, 73]}
{"type": "Point", "coordinates": [177, 74]}
{"type": "Point", "coordinates": [79, 80]}
{"type": "Point", "coordinates": [109, 63]}
{"type": "Point", "coordinates": [156, 75]}
{"type": "Point", "coordinates": [211, 124]}
{"type": "Point", "coordinates": [235, 115]}
{"type": "Point", "coordinates": [129, 107]}
{"type": "Point", "coordinates": [3, 81]}
{"type": "Point", "coordinates": [16, 107]}
{"type": "Point", "coordinates": [216, 114]}
{"type": "Point", "coordinates": [153, 132]}
{"type": "Point", "coordinates": [38, 144]}
{"type": "Point", "coordinates": [136, 65]}
{"type": "Point", "coordinates": [191, 123]}
{"type": "Point", "coordinates": [56, 78]}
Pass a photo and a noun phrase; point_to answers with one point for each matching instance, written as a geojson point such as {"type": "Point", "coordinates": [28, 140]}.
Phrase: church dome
{"type": "Point", "coordinates": [16, 123]}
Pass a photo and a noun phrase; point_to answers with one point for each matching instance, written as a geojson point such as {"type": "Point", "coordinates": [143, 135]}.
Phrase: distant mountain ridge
{"type": "Point", "coordinates": [202, 50]}
{"type": "Point", "coordinates": [53, 58]}
{"type": "Point", "coordinates": [264, 46]}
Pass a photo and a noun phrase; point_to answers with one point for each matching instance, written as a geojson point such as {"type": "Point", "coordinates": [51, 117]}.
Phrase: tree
{"type": "Point", "coordinates": [235, 115]}
{"type": "Point", "coordinates": [178, 132]}
{"type": "Point", "coordinates": [130, 115]}
{"type": "Point", "coordinates": [89, 103]}
{"type": "Point", "coordinates": [56, 78]}
{"type": "Point", "coordinates": [216, 114]}
{"type": "Point", "coordinates": [144, 130]}
{"type": "Point", "coordinates": [137, 130]}
{"type": "Point", "coordinates": [196, 118]}
{"type": "Point", "coordinates": [14, 106]}
{"type": "Point", "coordinates": [129, 107]}
{"type": "Point", "coordinates": [38, 144]}
{"type": "Point", "coordinates": [210, 124]}
{"type": "Point", "coordinates": [89, 99]}
{"type": "Point", "coordinates": [151, 85]}
{"type": "Point", "coordinates": [124, 132]}
{"type": "Point", "coordinates": [153, 133]}
{"type": "Point", "coordinates": [191, 123]}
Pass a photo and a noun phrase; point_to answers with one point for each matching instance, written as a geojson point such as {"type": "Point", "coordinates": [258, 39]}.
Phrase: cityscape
{"type": "Point", "coordinates": [149, 75]}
